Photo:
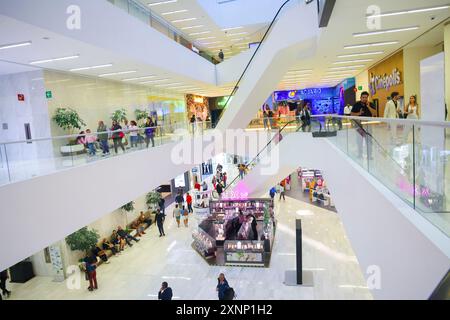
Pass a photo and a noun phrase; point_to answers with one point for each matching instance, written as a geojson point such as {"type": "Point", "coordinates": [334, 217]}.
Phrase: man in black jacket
{"type": "Point", "coordinates": [160, 216]}
{"type": "Point", "coordinates": [165, 293]}
{"type": "Point", "coordinates": [124, 235]}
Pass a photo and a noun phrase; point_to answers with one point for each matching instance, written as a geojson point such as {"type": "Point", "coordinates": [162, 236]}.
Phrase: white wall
{"type": "Point", "coordinates": [362, 80]}
{"type": "Point", "coordinates": [231, 69]}
{"type": "Point", "coordinates": [413, 256]}
{"type": "Point", "coordinates": [447, 63]}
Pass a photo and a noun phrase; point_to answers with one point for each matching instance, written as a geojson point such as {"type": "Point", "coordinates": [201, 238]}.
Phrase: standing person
{"type": "Point", "coordinates": [177, 214]}
{"type": "Point", "coordinates": [219, 189]}
{"type": "Point", "coordinates": [224, 179]}
{"type": "Point", "coordinates": [91, 270]}
{"type": "Point", "coordinates": [192, 122]}
{"type": "Point", "coordinates": [363, 108]}
{"type": "Point", "coordinates": [306, 118]}
{"type": "Point", "coordinates": [204, 186]}
{"type": "Point", "coordinates": [165, 293]}
{"type": "Point", "coordinates": [185, 216]}
{"type": "Point", "coordinates": [241, 168]}
{"type": "Point", "coordinates": [133, 129]}
{"type": "Point", "coordinates": [282, 192]}
{"type": "Point", "coordinates": [149, 132]}
{"type": "Point", "coordinates": [189, 202]}
{"type": "Point", "coordinates": [126, 130]}
{"type": "Point", "coordinates": [160, 217]}
{"type": "Point", "coordinates": [391, 110]}
{"type": "Point", "coordinates": [412, 108]}
{"type": "Point", "coordinates": [90, 141]}
{"type": "Point", "coordinates": [222, 286]}
{"type": "Point", "coordinates": [117, 136]}
{"type": "Point", "coordinates": [221, 55]}
{"type": "Point", "coordinates": [3, 277]}
{"type": "Point", "coordinates": [266, 110]}
{"type": "Point", "coordinates": [102, 134]}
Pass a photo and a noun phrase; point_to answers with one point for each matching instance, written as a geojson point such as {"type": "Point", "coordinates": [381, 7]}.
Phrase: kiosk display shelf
{"type": "Point", "coordinates": [244, 253]}
{"type": "Point", "coordinates": [204, 244]}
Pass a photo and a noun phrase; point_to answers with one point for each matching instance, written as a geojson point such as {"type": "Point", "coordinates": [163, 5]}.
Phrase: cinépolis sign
{"type": "Point", "coordinates": [386, 81]}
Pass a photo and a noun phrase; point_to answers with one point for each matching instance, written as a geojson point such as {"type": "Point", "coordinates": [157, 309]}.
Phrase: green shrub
{"type": "Point", "coordinates": [68, 119]}
{"type": "Point", "coordinates": [83, 240]}
{"type": "Point", "coordinates": [119, 115]}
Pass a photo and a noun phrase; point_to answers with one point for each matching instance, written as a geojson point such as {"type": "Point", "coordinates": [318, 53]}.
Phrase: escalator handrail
{"type": "Point", "coordinates": [262, 150]}
{"type": "Point", "coordinates": [236, 87]}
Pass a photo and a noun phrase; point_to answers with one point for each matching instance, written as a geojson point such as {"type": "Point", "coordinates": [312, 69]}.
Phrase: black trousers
{"type": "Point", "coordinates": [160, 228]}
{"type": "Point", "coordinates": [190, 207]}
{"type": "Point", "coordinates": [3, 286]}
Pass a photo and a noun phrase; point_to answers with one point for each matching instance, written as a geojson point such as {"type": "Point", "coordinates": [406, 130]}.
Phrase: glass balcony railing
{"type": "Point", "coordinates": [25, 159]}
{"type": "Point", "coordinates": [144, 14]}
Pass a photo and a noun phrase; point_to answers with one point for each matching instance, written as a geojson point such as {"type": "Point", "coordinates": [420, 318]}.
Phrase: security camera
{"type": "Point", "coordinates": [433, 18]}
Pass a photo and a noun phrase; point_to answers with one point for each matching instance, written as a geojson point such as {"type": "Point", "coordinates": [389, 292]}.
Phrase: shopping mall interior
{"type": "Point", "coordinates": [189, 150]}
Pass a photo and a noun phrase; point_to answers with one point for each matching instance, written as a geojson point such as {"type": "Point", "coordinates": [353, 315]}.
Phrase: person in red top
{"type": "Point", "coordinates": [189, 202]}
{"type": "Point", "coordinates": [197, 186]}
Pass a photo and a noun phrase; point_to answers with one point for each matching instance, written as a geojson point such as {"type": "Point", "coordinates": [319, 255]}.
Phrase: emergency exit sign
{"type": "Point", "coordinates": [360, 88]}
{"type": "Point", "coordinates": [48, 94]}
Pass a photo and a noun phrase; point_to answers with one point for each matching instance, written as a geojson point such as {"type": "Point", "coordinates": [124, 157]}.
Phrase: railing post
{"type": "Point", "coordinates": [414, 166]}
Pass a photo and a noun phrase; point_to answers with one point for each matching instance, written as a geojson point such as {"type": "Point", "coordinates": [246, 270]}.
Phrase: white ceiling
{"type": "Point", "coordinates": [349, 17]}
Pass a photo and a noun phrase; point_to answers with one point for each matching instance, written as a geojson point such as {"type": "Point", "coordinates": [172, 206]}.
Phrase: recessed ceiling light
{"type": "Point", "coordinates": [183, 20]}
{"type": "Point", "coordinates": [236, 34]}
{"type": "Point", "coordinates": [234, 28]}
{"type": "Point", "coordinates": [55, 59]}
{"type": "Point", "coordinates": [173, 12]}
{"type": "Point", "coordinates": [353, 61]}
{"type": "Point", "coordinates": [161, 2]}
{"type": "Point", "coordinates": [398, 13]}
{"type": "Point", "coordinates": [15, 45]}
{"type": "Point", "coordinates": [374, 33]}
{"type": "Point", "coordinates": [92, 67]}
{"type": "Point", "coordinates": [342, 71]}
{"type": "Point", "coordinates": [214, 42]}
{"type": "Point", "coordinates": [139, 78]}
{"type": "Point", "coordinates": [193, 27]}
{"type": "Point", "coordinates": [300, 71]}
{"type": "Point", "coordinates": [206, 38]}
{"type": "Point", "coordinates": [361, 54]}
{"type": "Point", "coordinates": [374, 44]}
{"type": "Point", "coordinates": [199, 33]}
{"type": "Point", "coordinates": [168, 84]}
{"type": "Point", "coordinates": [116, 73]}
{"type": "Point", "coordinates": [348, 67]}
{"type": "Point", "coordinates": [154, 81]}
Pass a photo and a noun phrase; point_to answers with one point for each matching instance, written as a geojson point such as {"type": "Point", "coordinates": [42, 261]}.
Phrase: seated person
{"type": "Point", "coordinates": [126, 236]}
{"type": "Point", "coordinates": [106, 245]}
{"type": "Point", "coordinates": [138, 227]}
{"type": "Point", "coordinates": [97, 252]}
{"type": "Point", "coordinates": [117, 240]}
{"type": "Point", "coordinates": [143, 219]}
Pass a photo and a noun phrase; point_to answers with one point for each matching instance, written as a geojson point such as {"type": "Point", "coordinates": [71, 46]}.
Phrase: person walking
{"type": "Point", "coordinates": [185, 217]}
{"type": "Point", "coordinates": [221, 56]}
{"type": "Point", "coordinates": [177, 214]}
{"type": "Point", "coordinates": [192, 122]}
{"type": "Point", "coordinates": [149, 132]}
{"type": "Point", "coordinates": [165, 293]}
{"type": "Point", "coordinates": [282, 192]}
{"type": "Point", "coordinates": [102, 136]}
{"type": "Point", "coordinates": [117, 136]}
{"type": "Point", "coordinates": [179, 199]}
{"type": "Point", "coordinates": [91, 271]}
{"type": "Point", "coordinates": [3, 277]}
{"type": "Point", "coordinates": [162, 205]}
{"type": "Point", "coordinates": [219, 189]}
{"type": "Point", "coordinates": [160, 217]}
{"type": "Point", "coordinates": [222, 286]}
{"type": "Point", "coordinates": [272, 193]}
{"type": "Point", "coordinates": [189, 202]}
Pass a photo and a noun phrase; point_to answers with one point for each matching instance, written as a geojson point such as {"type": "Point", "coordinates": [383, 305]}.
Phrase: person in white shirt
{"type": "Point", "coordinates": [133, 129]}
{"type": "Point", "coordinates": [411, 109]}
{"type": "Point", "coordinates": [391, 110]}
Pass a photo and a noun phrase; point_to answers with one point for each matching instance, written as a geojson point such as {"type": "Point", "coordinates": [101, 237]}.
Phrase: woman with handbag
{"type": "Point", "coordinates": [117, 136]}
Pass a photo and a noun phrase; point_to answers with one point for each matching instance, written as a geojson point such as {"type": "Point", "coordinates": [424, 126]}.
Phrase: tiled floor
{"type": "Point", "coordinates": [139, 271]}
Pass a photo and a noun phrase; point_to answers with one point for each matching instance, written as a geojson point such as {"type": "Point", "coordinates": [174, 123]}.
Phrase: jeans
{"type": "Point", "coordinates": [105, 146]}
{"type": "Point", "coordinates": [91, 148]}
{"type": "Point", "coordinates": [133, 141]}
{"type": "Point", "coordinates": [147, 140]}
{"type": "Point", "coordinates": [282, 195]}
{"type": "Point", "coordinates": [190, 207]}
{"type": "Point", "coordinates": [266, 123]}
{"type": "Point", "coordinates": [118, 142]}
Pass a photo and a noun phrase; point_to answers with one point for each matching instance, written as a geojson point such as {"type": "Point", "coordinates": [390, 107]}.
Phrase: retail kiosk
{"type": "Point", "coordinates": [237, 233]}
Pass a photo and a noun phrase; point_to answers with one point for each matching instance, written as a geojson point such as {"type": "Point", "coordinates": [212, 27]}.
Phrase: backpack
{"type": "Point", "coordinates": [229, 294]}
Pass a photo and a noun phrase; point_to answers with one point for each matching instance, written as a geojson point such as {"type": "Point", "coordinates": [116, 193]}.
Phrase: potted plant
{"type": "Point", "coordinates": [69, 120]}
{"type": "Point", "coordinates": [152, 200]}
{"type": "Point", "coordinates": [129, 207]}
{"type": "Point", "coordinates": [140, 115]}
{"type": "Point", "coordinates": [120, 115]}
{"type": "Point", "coordinates": [83, 240]}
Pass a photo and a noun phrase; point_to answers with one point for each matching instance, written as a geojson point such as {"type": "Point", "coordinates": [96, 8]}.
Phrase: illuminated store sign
{"type": "Point", "coordinates": [385, 81]}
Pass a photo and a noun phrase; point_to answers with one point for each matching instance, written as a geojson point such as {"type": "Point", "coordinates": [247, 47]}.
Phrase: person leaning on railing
{"type": "Point", "coordinates": [363, 108]}
{"type": "Point", "coordinates": [117, 136]}
{"type": "Point", "coordinates": [149, 132]}
{"type": "Point", "coordinates": [102, 136]}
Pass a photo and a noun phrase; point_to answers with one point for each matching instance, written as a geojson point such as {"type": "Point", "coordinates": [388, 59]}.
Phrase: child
{"type": "Point", "coordinates": [90, 140]}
